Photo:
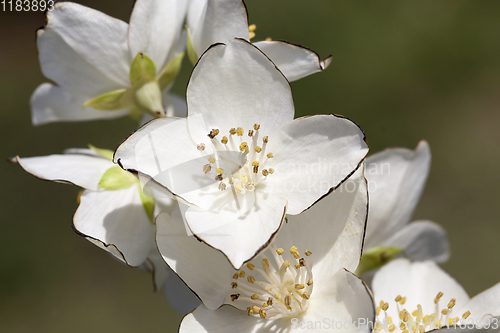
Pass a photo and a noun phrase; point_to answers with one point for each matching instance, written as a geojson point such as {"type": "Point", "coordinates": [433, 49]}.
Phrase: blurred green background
{"type": "Point", "coordinates": [403, 70]}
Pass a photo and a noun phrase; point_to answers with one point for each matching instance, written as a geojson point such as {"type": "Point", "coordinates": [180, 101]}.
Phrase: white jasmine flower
{"type": "Point", "coordinates": [396, 179]}
{"type": "Point", "coordinates": [105, 68]}
{"type": "Point", "coordinates": [239, 160]}
{"type": "Point", "coordinates": [218, 21]}
{"type": "Point", "coordinates": [302, 277]}
{"type": "Point", "coordinates": [420, 297]}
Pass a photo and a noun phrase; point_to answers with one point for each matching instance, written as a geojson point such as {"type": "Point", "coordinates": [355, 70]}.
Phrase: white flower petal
{"type": "Point", "coordinates": [157, 267]}
{"type": "Point", "coordinates": [235, 85]}
{"type": "Point", "coordinates": [83, 50]}
{"type": "Point", "coordinates": [396, 178]}
{"type": "Point", "coordinates": [229, 320]}
{"type": "Point", "coordinates": [50, 103]}
{"type": "Point", "coordinates": [344, 299]}
{"type": "Point", "coordinates": [154, 27]}
{"type": "Point", "coordinates": [240, 236]}
{"type": "Point", "coordinates": [332, 229]}
{"type": "Point", "coordinates": [216, 22]}
{"type": "Point", "coordinates": [419, 282]}
{"type": "Point", "coordinates": [178, 295]}
{"type": "Point", "coordinates": [205, 270]}
{"type": "Point", "coordinates": [312, 155]}
{"type": "Point", "coordinates": [422, 240]}
{"type": "Point", "coordinates": [294, 61]}
{"type": "Point", "coordinates": [82, 170]}
{"type": "Point", "coordinates": [485, 303]}
{"type": "Point", "coordinates": [118, 218]}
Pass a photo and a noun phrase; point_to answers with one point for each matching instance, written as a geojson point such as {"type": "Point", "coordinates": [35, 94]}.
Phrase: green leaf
{"type": "Point", "coordinates": [169, 73]}
{"type": "Point", "coordinates": [116, 178]}
{"type": "Point", "coordinates": [106, 153]}
{"type": "Point", "coordinates": [142, 70]}
{"type": "Point", "coordinates": [110, 101]}
{"type": "Point", "coordinates": [148, 202]}
{"type": "Point", "coordinates": [190, 49]}
{"type": "Point", "coordinates": [376, 257]}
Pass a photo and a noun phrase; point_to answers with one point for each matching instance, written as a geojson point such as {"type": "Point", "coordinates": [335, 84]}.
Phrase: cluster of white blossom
{"type": "Point", "coordinates": [260, 221]}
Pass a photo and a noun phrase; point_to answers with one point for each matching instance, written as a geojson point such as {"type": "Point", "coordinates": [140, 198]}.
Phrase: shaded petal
{"type": "Point", "coordinates": [84, 50]}
{"type": "Point", "coordinates": [344, 299]}
{"type": "Point", "coordinates": [229, 320]}
{"type": "Point", "coordinates": [157, 267]}
{"type": "Point", "coordinates": [50, 103]}
{"type": "Point", "coordinates": [483, 304]}
{"type": "Point", "coordinates": [419, 282]}
{"type": "Point", "coordinates": [240, 236]}
{"type": "Point", "coordinates": [235, 85]}
{"type": "Point", "coordinates": [154, 28]}
{"type": "Point", "coordinates": [332, 229]}
{"type": "Point", "coordinates": [422, 240]}
{"type": "Point", "coordinates": [312, 155]}
{"type": "Point", "coordinates": [117, 218]}
{"type": "Point", "coordinates": [294, 61]}
{"type": "Point", "coordinates": [396, 179]}
{"type": "Point", "coordinates": [82, 170]}
{"type": "Point", "coordinates": [203, 269]}
{"type": "Point", "coordinates": [178, 295]}
{"type": "Point", "coordinates": [219, 21]}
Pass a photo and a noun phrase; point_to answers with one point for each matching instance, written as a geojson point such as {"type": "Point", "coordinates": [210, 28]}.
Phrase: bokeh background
{"type": "Point", "coordinates": [403, 70]}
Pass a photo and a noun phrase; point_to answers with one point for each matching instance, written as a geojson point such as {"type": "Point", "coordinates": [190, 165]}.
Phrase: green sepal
{"type": "Point", "coordinates": [149, 99]}
{"type": "Point", "coordinates": [110, 101]}
{"type": "Point", "coordinates": [169, 73]}
{"type": "Point", "coordinates": [106, 153]}
{"type": "Point", "coordinates": [148, 202]}
{"type": "Point", "coordinates": [190, 49]}
{"type": "Point", "coordinates": [135, 113]}
{"type": "Point", "coordinates": [116, 178]}
{"type": "Point", "coordinates": [143, 69]}
{"type": "Point", "coordinates": [376, 257]}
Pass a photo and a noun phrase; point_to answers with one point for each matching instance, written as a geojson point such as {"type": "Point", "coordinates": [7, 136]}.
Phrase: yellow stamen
{"type": "Point", "coordinates": [201, 147]}
{"type": "Point", "coordinates": [280, 251]}
{"type": "Point", "coordinates": [240, 131]}
{"type": "Point", "coordinates": [224, 140]}
{"type": "Point", "coordinates": [270, 155]}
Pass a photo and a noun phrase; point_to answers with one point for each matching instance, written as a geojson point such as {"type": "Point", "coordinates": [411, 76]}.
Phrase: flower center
{"type": "Point", "coordinates": [278, 289]}
{"type": "Point", "coordinates": [416, 321]}
{"type": "Point", "coordinates": [239, 160]}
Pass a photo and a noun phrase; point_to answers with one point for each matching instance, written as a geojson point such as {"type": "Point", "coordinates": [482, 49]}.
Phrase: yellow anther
{"type": "Point", "coordinates": [295, 252]}
{"type": "Point", "coordinates": [251, 35]}
{"type": "Point", "coordinates": [243, 146]}
{"type": "Point", "coordinates": [200, 147]}
{"type": "Point", "coordinates": [451, 304]}
{"type": "Point", "coordinates": [207, 168]}
{"type": "Point", "coordinates": [215, 131]}
{"type": "Point", "coordinates": [224, 140]}
{"type": "Point", "coordinates": [222, 186]}
{"type": "Point", "coordinates": [310, 282]}
{"type": "Point", "coordinates": [232, 131]}
{"type": "Point", "coordinates": [265, 262]}
{"type": "Point", "coordinates": [234, 297]}
{"type": "Point", "coordinates": [234, 285]}
{"type": "Point", "coordinates": [265, 305]}
{"type": "Point", "coordinates": [288, 300]}
{"type": "Point", "coordinates": [414, 313]}
{"type": "Point", "coordinates": [243, 179]}
{"type": "Point", "coordinates": [240, 131]}
{"type": "Point", "coordinates": [385, 306]}
{"type": "Point", "coordinates": [255, 163]}
{"type": "Point", "coordinates": [392, 328]}
{"type": "Point", "coordinates": [270, 155]}
{"type": "Point", "coordinates": [236, 276]}
{"type": "Point", "coordinates": [262, 313]}
{"type": "Point", "coordinates": [250, 266]}
{"type": "Point", "coordinates": [242, 274]}
{"type": "Point", "coordinates": [280, 251]}
{"type": "Point", "coordinates": [250, 132]}
{"type": "Point", "coordinates": [302, 262]}
{"type": "Point", "coordinates": [218, 177]}
{"type": "Point", "coordinates": [297, 265]}
{"type": "Point", "coordinates": [258, 149]}
{"type": "Point", "coordinates": [378, 310]}
{"type": "Point", "coordinates": [211, 159]}
{"type": "Point", "coordinates": [271, 171]}
{"type": "Point", "coordinates": [402, 301]}
{"type": "Point", "coordinates": [238, 188]}
{"type": "Point", "coordinates": [398, 298]}
{"type": "Point", "coordinates": [249, 311]}
{"type": "Point", "coordinates": [285, 264]}
{"type": "Point", "coordinates": [254, 297]}
{"type": "Point", "coordinates": [250, 186]}
{"type": "Point", "coordinates": [252, 27]}
{"type": "Point", "coordinates": [308, 253]}
{"type": "Point", "coordinates": [438, 296]}
{"type": "Point", "coordinates": [305, 295]}
{"type": "Point", "coordinates": [445, 311]}
{"type": "Point", "coordinates": [255, 309]}
{"type": "Point", "coordinates": [270, 301]}
{"type": "Point", "coordinates": [251, 279]}
{"type": "Point", "coordinates": [265, 172]}
{"type": "Point", "coordinates": [300, 286]}
{"type": "Point", "coordinates": [265, 139]}
{"type": "Point", "coordinates": [466, 314]}
{"type": "Point", "coordinates": [268, 39]}
{"type": "Point", "coordinates": [256, 127]}
{"type": "Point", "coordinates": [220, 171]}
